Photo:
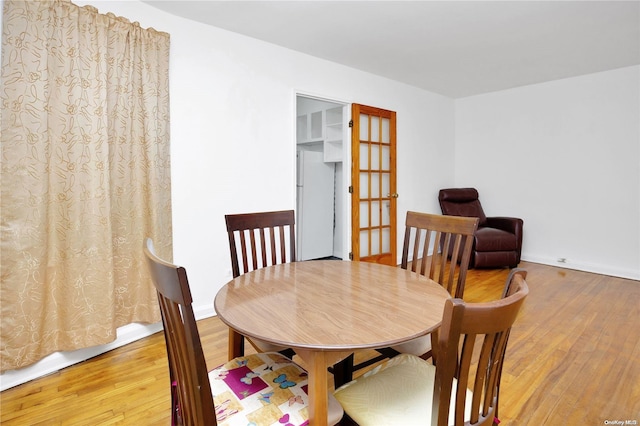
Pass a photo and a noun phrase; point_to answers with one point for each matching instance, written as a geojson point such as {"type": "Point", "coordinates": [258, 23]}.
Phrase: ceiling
{"type": "Point", "coordinates": [454, 48]}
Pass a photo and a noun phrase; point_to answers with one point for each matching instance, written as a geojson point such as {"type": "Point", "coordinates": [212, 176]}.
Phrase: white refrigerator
{"type": "Point", "coordinates": [315, 202]}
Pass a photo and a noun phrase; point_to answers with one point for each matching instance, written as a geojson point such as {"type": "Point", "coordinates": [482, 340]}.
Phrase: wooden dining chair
{"type": "Point", "coordinates": [461, 389]}
{"type": "Point", "coordinates": [257, 240]}
{"type": "Point", "coordinates": [261, 239]}
{"type": "Point", "coordinates": [262, 389]}
{"type": "Point", "coordinates": [510, 288]}
{"type": "Point", "coordinates": [438, 247]}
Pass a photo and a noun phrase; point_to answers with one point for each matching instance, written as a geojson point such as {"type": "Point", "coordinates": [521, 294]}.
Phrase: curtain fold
{"type": "Point", "coordinates": [85, 176]}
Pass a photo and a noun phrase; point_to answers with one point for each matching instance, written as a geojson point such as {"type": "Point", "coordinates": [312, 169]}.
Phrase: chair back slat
{"type": "Point", "coordinates": [263, 239]}
{"type": "Point", "coordinates": [283, 251]}
{"type": "Point", "coordinates": [472, 343]}
{"type": "Point", "coordinates": [440, 248]}
{"type": "Point", "coordinates": [191, 399]}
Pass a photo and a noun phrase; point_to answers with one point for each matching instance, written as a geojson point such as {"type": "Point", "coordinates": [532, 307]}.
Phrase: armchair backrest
{"type": "Point", "coordinates": [462, 202]}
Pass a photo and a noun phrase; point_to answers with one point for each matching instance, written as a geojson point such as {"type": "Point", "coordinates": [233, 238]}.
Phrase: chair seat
{"type": "Point", "coordinates": [399, 392]}
{"type": "Point", "coordinates": [417, 347]}
{"type": "Point", "coordinates": [263, 389]}
{"type": "Point", "coordinates": [263, 346]}
{"type": "Point", "coordinates": [492, 239]}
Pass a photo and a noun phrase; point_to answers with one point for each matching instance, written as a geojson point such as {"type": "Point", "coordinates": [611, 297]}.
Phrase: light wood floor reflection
{"type": "Point", "coordinates": [573, 359]}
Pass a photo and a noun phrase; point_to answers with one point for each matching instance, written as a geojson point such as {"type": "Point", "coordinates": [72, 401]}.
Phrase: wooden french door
{"type": "Point", "coordinates": [373, 178]}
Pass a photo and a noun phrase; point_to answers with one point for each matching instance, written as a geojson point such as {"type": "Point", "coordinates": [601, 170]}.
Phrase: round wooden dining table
{"type": "Point", "coordinates": [327, 309]}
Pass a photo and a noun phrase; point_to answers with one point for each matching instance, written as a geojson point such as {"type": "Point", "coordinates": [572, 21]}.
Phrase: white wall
{"type": "Point", "coordinates": [564, 156]}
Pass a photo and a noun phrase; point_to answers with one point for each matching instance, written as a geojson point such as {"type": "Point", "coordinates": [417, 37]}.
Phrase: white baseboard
{"type": "Point", "coordinates": [59, 360]}
{"type": "Point", "coordinates": [586, 267]}
{"type": "Point", "coordinates": [204, 311]}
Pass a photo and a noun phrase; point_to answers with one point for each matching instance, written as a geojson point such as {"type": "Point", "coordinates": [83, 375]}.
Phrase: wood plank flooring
{"type": "Point", "coordinates": [573, 359]}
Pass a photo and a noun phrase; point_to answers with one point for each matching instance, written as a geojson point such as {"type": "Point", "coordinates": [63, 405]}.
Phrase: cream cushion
{"type": "Point", "coordinates": [262, 346]}
{"type": "Point", "coordinates": [418, 346]}
{"type": "Point", "coordinates": [398, 392]}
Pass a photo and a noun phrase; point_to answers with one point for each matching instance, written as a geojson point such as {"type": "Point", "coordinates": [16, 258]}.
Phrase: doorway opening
{"type": "Point", "coordinates": [322, 206]}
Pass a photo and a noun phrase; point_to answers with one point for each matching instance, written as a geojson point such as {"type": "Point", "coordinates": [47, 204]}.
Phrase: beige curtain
{"type": "Point", "coordinates": [85, 176]}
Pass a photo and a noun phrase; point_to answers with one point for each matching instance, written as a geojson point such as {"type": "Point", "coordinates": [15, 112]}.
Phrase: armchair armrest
{"type": "Point", "coordinates": [508, 224]}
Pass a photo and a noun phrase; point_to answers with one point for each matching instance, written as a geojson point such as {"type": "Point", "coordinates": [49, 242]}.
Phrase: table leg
{"type": "Point", "coordinates": [343, 371]}
{"type": "Point", "coordinates": [317, 363]}
{"type": "Point", "coordinates": [236, 344]}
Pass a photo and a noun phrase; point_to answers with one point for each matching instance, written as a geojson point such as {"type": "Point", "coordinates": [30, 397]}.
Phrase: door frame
{"type": "Point", "coordinates": [346, 162]}
{"type": "Point", "coordinates": [347, 172]}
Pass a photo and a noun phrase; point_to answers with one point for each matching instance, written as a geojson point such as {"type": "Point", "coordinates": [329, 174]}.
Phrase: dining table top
{"type": "Point", "coordinates": [332, 305]}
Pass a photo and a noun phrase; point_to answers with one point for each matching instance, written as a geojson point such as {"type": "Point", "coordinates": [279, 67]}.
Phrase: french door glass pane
{"type": "Point", "coordinates": [386, 158]}
{"type": "Point", "coordinates": [386, 131]}
{"type": "Point", "coordinates": [375, 185]}
{"type": "Point", "coordinates": [375, 242]}
{"type": "Point", "coordinates": [364, 185]}
{"type": "Point", "coordinates": [375, 213]}
{"type": "Point", "coordinates": [385, 185]}
{"type": "Point", "coordinates": [375, 129]}
{"type": "Point", "coordinates": [364, 214]}
{"type": "Point", "coordinates": [364, 127]}
{"type": "Point", "coordinates": [386, 240]}
{"type": "Point", "coordinates": [364, 156]}
{"type": "Point", "coordinates": [364, 243]}
{"type": "Point", "coordinates": [375, 157]}
{"type": "Point", "coordinates": [386, 214]}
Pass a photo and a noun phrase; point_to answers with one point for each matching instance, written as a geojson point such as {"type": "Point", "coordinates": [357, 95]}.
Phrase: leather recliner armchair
{"type": "Point", "coordinates": [497, 241]}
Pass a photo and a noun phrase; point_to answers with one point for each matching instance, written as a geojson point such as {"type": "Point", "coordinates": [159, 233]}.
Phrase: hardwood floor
{"type": "Point", "coordinates": [573, 359]}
